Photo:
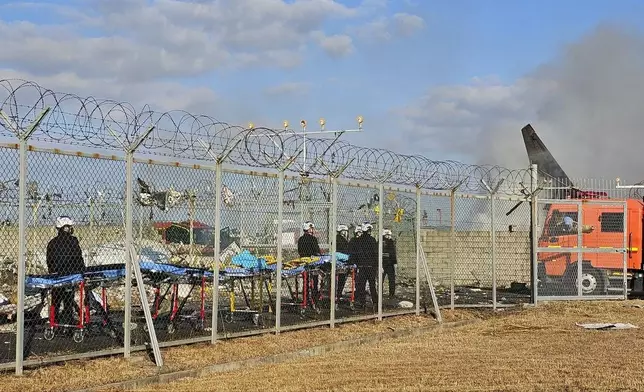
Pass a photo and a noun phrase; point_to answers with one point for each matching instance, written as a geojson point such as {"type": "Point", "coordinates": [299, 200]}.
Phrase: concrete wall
{"type": "Point", "coordinates": [473, 257]}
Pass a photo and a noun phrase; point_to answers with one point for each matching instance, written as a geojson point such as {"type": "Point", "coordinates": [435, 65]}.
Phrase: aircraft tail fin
{"type": "Point", "coordinates": [539, 154]}
{"type": "Point", "coordinates": [549, 168]}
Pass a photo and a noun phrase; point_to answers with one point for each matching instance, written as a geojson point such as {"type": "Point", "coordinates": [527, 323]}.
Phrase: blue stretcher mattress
{"type": "Point", "coordinates": [148, 265]}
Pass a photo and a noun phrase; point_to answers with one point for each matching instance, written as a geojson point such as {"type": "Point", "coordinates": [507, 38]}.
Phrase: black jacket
{"type": "Point", "coordinates": [64, 255]}
{"type": "Point", "coordinates": [341, 244]}
{"type": "Point", "coordinates": [389, 252]}
{"type": "Point", "coordinates": [307, 246]}
{"type": "Point", "coordinates": [365, 251]}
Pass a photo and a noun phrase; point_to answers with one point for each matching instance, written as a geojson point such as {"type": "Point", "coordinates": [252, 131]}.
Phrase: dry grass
{"type": "Point", "coordinates": [538, 349]}
{"type": "Point", "coordinates": [88, 373]}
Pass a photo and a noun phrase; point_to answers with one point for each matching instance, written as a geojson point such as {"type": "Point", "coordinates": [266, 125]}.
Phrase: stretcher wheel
{"type": "Point", "coordinates": [302, 312]}
{"type": "Point", "coordinates": [79, 336]}
{"type": "Point", "coordinates": [199, 325]}
{"type": "Point", "coordinates": [171, 328]}
{"type": "Point", "coordinates": [228, 318]}
{"type": "Point", "coordinates": [49, 334]}
{"type": "Point", "coordinates": [352, 307]}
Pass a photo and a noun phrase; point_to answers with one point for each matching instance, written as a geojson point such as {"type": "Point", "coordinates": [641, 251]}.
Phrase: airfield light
{"type": "Point", "coordinates": [360, 120]}
{"type": "Point", "coordinates": [285, 124]}
{"type": "Point", "coordinates": [251, 125]}
{"type": "Point", "coordinates": [303, 124]}
{"type": "Point", "coordinates": [322, 123]}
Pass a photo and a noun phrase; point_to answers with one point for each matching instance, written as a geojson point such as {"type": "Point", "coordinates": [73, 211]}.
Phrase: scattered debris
{"type": "Point", "coordinates": [607, 326]}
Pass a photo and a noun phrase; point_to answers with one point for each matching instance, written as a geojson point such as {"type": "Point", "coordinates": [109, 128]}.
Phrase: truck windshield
{"type": "Point", "coordinates": [563, 223]}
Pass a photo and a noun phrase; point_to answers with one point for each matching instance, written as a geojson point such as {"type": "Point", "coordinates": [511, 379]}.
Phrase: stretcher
{"type": "Point", "coordinates": [94, 277]}
{"type": "Point", "coordinates": [308, 268]}
{"type": "Point", "coordinates": [237, 275]}
{"type": "Point", "coordinates": [158, 274]}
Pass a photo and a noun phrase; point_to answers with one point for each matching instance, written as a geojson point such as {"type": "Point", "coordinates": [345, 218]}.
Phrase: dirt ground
{"type": "Point", "coordinates": [89, 373]}
{"type": "Point", "coordinates": [534, 350]}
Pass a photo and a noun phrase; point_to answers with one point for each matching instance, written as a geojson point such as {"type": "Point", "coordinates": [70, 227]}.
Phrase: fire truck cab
{"type": "Point", "coordinates": [603, 241]}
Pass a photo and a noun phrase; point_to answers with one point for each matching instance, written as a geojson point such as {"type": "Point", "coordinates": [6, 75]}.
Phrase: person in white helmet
{"type": "Point", "coordinates": [389, 260]}
{"type": "Point", "coordinates": [366, 248]}
{"type": "Point", "coordinates": [307, 246]}
{"type": "Point", "coordinates": [342, 246]}
{"type": "Point", "coordinates": [64, 257]}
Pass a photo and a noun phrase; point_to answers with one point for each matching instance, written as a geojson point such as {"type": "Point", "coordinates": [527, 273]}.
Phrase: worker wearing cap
{"type": "Point", "coordinates": [366, 248]}
{"type": "Point", "coordinates": [64, 257]}
{"type": "Point", "coordinates": [389, 260]}
{"type": "Point", "coordinates": [308, 246]}
{"type": "Point", "coordinates": [342, 246]}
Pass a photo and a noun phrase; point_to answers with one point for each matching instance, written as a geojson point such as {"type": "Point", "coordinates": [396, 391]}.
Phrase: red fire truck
{"type": "Point", "coordinates": [608, 231]}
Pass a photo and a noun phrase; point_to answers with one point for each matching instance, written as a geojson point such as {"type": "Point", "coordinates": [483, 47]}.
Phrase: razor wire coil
{"type": "Point", "coordinates": [111, 125]}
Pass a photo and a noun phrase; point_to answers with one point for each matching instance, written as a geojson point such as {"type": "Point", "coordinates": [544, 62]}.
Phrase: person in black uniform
{"type": "Point", "coordinates": [307, 246]}
{"type": "Point", "coordinates": [341, 246]}
{"type": "Point", "coordinates": [64, 257]}
{"type": "Point", "coordinates": [366, 248]}
{"type": "Point", "coordinates": [389, 260]}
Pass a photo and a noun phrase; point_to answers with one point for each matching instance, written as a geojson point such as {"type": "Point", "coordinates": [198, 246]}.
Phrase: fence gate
{"type": "Point", "coordinates": [591, 231]}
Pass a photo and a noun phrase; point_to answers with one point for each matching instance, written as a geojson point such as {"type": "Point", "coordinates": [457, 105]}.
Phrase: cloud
{"type": "Point", "coordinates": [142, 51]}
{"type": "Point", "coordinates": [159, 95]}
{"type": "Point", "coordinates": [585, 104]}
{"type": "Point", "coordinates": [291, 88]}
{"type": "Point", "coordinates": [138, 40]}
{"type": "Point", "coordinates": [336, 46]}
{"type": "Point", "coordinates": [407, 25]}
{"type": "Point", "coordinates": [383, 29]}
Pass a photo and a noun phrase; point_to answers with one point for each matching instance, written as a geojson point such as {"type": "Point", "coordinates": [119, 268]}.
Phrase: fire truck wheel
{"type": "Point", "coordinates": [592, 282]}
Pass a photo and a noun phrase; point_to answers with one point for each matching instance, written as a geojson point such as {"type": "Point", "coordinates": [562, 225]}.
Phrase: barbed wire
{"type": "Point", "coordinates": [111, 125]}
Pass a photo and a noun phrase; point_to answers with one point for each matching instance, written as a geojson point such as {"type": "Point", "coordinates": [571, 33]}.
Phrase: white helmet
{"type": "Point", "coordinates": [386, 232]}
{"type": "Point", "coordinates": [367, 226]}
{"type": "Point", "coordinates": [343, 228]}
{"type": "Point", "coordinates": [358, 229]}
{"type": "Point", "coordinates": [63, 221]}
{"type": "Point", "coordinates": [308, 225]}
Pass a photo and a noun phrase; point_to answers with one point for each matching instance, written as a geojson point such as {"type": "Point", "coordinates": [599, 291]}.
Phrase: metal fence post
{"type": "Point", "coordinates": [23, 137]}
{"type": "Point", "coordinates": [217, 253]}
{"type": "Point", "coordinates": [380, 248]}
{"type": "Point", "coordinates": [130, 261]}
{"type": "Point", "coordinates": [534, 227]}
{"type": "Point", "coordinates": [418, 249]}
{"type": "Point", "coordinates": [493, 192]}
{"type": "Point", "coordinates": [493, 250]}
{"type": "Point", "coordinates": [280, 233]}
{"type": "Point", "coordinates": [332, 240]}
{"type": "Point", "coordinates": [452, 247]}
{"type": "Point", "coordinates": [129, 242]}
{"type": "Point", "coordinates": [219, 160]}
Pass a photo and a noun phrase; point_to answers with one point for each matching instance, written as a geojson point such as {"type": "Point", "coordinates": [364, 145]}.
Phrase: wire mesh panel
{"type": "Point", "coordinates": [357, 277]}
{"type": "Point", "coordinates": [306, 277]}
{"type": "Point", "coordinates": [512, 251]}
{"type": "Point", "coordinates": [249, 219]}
{"type": "Point", "coordinates": [9, 167]}
{"type": "Point", "coordinates": [600, 227]}
{"type": "Point", "coordinates": [557, 248]}
{"type": "Point", "coordinates": [399, 250]}
{"type": "Point", "coordinates": [472, 269]}
{"type": "Point", "coordinates": [604, 227]}
{"type": "Point", "coordinates": [74, 255]}
{"type": "Point", "coordinates": [435, 226]}
{"type": "Point", "coordinates": [173, 218]}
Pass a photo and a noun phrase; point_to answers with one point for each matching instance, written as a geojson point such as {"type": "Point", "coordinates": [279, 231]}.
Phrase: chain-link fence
{"type": "Point", "coordinates": [110, 254]}
{"type": "Point", "coordinates": [477, 249]}
{"type": "Point", "coordinates": [9, 166]}
{"type": "Point", "coordinates": [476, 259]}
